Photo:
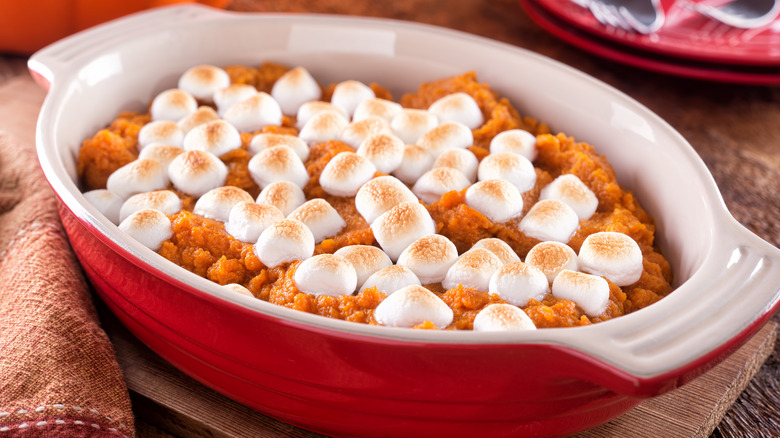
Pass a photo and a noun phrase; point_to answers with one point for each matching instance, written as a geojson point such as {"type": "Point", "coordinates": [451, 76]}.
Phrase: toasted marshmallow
{"type": "Point", "coordinates": [197, 172]}
{"type": "Point", "coordinates": [163, 153]}
{"type": "Point", "coordinates": [150, 227]}
{"type": "Point", "coordinates": [165, 201]}
{"type": "Point", "coordinates": [413, 305]}
{"type": "Point", "coordinates": [410, 124]}
{"type": "Point", "coordinates": [217, 203]}
{"type": "Point", "coordinates": [366, 260]}
{"type": "Point", "coordinates": [436, 182]}
{"type": "Point", "coordinates": [448, 135]}
{"type": "Point", "coordinates": [322, 219]}
{"type": "Point", "coordinates": [346, 173]}
{"type": "Point", "coordinates": [400, 226]}
{"type": "Point", "coordinates": [571, 190]}
{"type": "Point", "coordinates": [247, 220]}
{"type": "Point", "coordinates": [590, 292]}
{"type": "Point", "coordinates": [429, 257]}
{"type": "Point", "coordinates": [203, 81]}
{"type": "Point", "coordinates": [160, 131]}
{"type": "Point", "coordinates": [615, 256]}
{"type": "Point", "coordinates": [415, 163]}
{"type": "Point", "coordinates": [310, 109]}
{"type": "Point", "coordinates": [501, 249]}
{"type": "Point", "coordinates": [390, 279]}
{"type": "Point", "coordinates": [516, 141]}
{"type": "Point", "coordinates": [518, 282]}
{"type": "Point", "coordinates": [107, 202]}
{"type": "Point", "coordinates": [267, 140]}
{"type": "Point", "coordinates": [472, 269]}
{"type": "Point", "coordinates": [278, 163]}
{"type": "Point", "coordinates": [386, 151]}
{"type": "Point", "coordinates": [254, 113]}
{"type": "Point", "coordinates": [551, 258]}
{"type": "Point", "coordinates": [202, 115]}
{"type": "Point", "coordinates": [138, 176]}
{"type": "Point", "coordinates": [237, 288]}
{"type": "Point", "coordinates": [294, 88]}
{"type": "Point", "coordinates": [234, 93]}
{"type": "Point", "coordinates": [458, 107]}
{"type": "Point", "coordinates": [326, 274]}
{"type": "Point", "coordinates": [347, 95]}
{"type": "Point", "coordinates": [382, 108]}
{"type": "Point", "coordinates": [284, 241]}
{"type": "Point", "coordinates": [358, 131]}
{"type": "Point", "coordinates": [550, 219]}
{"type": "Point", "coordinates": [502, 317]}
{"type": "Point", "coordinates": [497, 199]}
{"type": "Point", "coordinates": [510, 167]}
{"type": "Point", "coordinates": [322, 127]}
{"type": "Point", "coordinates": [461, 159]}
{"type": "Point", "coordinates": [283, 195]}
{"type": "Point", "coordinates": [173, 104]}
{"type": "Point", "coordinates": [381, 194]}
{"type": "Point", "coordinates": [218, 137]}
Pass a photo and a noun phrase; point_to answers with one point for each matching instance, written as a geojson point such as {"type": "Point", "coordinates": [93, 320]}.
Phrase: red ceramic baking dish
{"type": "Point", "coordinates": [348, 379]}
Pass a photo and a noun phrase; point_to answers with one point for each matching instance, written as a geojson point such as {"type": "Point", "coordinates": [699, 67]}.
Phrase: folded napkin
{"type": "Point", "coordinates": [58, 371]}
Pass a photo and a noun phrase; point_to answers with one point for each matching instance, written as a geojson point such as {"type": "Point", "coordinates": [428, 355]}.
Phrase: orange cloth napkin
{"type": "Point", "coordinates": [58, 371]}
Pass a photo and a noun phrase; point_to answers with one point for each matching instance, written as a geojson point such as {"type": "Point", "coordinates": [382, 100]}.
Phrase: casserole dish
{"type": "Point", "coordinates": [341, 378]}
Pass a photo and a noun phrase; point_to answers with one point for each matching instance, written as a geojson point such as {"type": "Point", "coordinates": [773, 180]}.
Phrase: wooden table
{"type": "Point", "coordinates": [735, 129]}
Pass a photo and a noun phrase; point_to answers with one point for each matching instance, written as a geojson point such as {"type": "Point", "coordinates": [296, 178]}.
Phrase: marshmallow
{"type": "Point", "coordinates": [516, 141]}
{"type": "Point", "coordinates": [571, 190]}
{"type": "Point", "coordinates": [278, 163]}
{"type": "Point", "coordinates": [254, 113]}
{"type": "Point", "coordinates": [203, 114]}
{"type": "Point", "coordinates": [173, 104]}
{"type": "Point", "coordinates": [549, 219]}
{"type": "Point", "coordinates": [217, 203]}
{"type": "Point", "coordinates": [551, 258]}
{"type": "Point", "coordinates": [390, 279]}
{"type": "Point", "coordinates": [502, 317]}
{"type": "Point", "coordinates": [398, 227]}
{"type": "Point", "coordinates": [386, 151]}
{"type": "Point", "coordinates": [160, 131]}
{"type": "Point", "coordinates": [358, 131]}
{"type": "Point", "coordinates": [347, 95]}
{"type": "Point", "coordinates": [322, 127]}
{"type": "Point", "coordinates": [234, 93]}
{"type": "Point", "coordinates": [326, 274]}
{"type": "Point", "coordinates": [161, 152]}
{"type": "Point", "coordinates": [107, 202]}
{"type": "Point", "coordinates": [164, 201]}
{"type": "Point", "coordinates": [247, 220]}
{"type": "Point", "coordinates": [591, 293]}
{"type": "Point", "coordinates": [218, 137]}
{"type": "Point", "coordinates": [197, 172]}
{"type": "Point", "coordinates": [138, 176]}
{"type": "Point", "coordinates": [473, 269]}
{"type": "Point", "coordinates": [497, 199]}
{"type": "Point", "coordinates": [366, 260]}
{"type": "Point", "coordinates": [458, 107]}
{"type": "Point", "coordinates": [284, 241]}
{"type": "Point", "coordinates": [518, 282]}
{"type": "Point", "coordinates": [266, 140]}
{"type": "Point", "coordinates": [203, 81]}
{"type": "Point", "coordinates": [346, 173]}
{"type": "Point", "coordinates": [283, 195]}
{"type": "Point", "coordinates": [429, 257]}
{"type": "Point", "coordinates": [413, 305]}
{"type": "Point", "coordinates": [237, 288]}
{"type": "Point", "coordinates": [461, 159]}
{"type": "Point", "coordinates": [613, 255]}
{"type": "Point", "coordinates": [382, 108]}
{"type": "Point", "coordinates": [322, 219]}
{"type": "Point", "coordinates": [510, 167]}
{"type": "Point", "coordinates": [381, 194]}
{"type": "Point", "coordinates": [415, 162]}
{"type": "Point", "coordinates": [448, 135]}
{"type": "Point", "coordinates": [410, 124]}
{"type": "Point", "coordinates": [294, 88]}
{"type": "Point", "coordinates": [436, 182]}
{"type": "Point", "coordinates": [309, 109]}
{"type": "Point", "coordinates": [150, 227]}
{"type": "Point", "coordinates": [501, 249]}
